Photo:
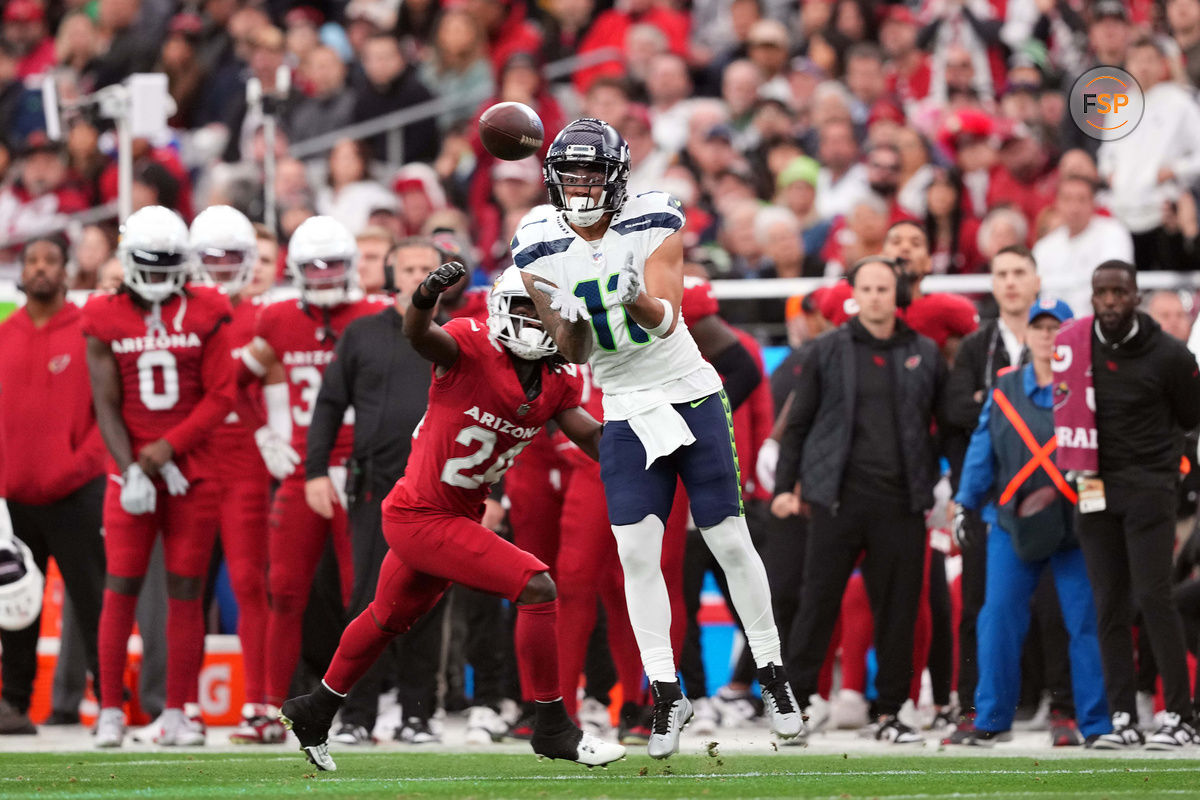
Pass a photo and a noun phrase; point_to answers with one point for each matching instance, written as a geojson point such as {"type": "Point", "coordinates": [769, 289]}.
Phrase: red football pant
{"type": "Point", "coordinates": [188, 525]}
{"type": "Point", "coordinates": [536, 486]}
{"type": "Point", "coordinates": [296, 541]}
{"type": "Point", "coordinates": [427, 553]}
{"type": "Point", "coordinates": [588, 564]}
{"type": "Point", "coordinates": [245, 497]}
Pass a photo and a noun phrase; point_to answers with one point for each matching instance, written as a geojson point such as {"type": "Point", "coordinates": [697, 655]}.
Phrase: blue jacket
{"type": "Point", "coordinates": [975, 488]}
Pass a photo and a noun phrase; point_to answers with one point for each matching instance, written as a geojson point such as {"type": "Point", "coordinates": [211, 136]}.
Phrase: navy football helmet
{"type": "Point", "coordinates": [582, 149]}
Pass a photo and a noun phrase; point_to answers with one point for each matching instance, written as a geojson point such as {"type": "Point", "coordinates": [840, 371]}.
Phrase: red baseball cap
{"type": "Point", "coordinates": [24, 11]}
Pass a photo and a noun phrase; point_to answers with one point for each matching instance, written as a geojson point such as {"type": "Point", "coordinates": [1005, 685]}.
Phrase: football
{"type": "Point", "coordinates": [1037, 501]}
{"type": "Point", "coordinates": [511, 131]}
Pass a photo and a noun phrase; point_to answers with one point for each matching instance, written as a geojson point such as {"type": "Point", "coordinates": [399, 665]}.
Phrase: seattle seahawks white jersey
{"type": "Point", "coordinates": [625, 358]}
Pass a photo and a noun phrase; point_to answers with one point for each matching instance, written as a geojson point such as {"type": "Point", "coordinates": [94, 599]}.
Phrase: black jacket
{"type": "Point", "coordinates": [816, 442]}
{"type": "Point", "coordinates": [1147, 395]}
{"type": "Point", "coordinates": [421, 139]}
{"type": "Point", "coordinates": [375, 370]}
{"type": "Point", "coordinates": [981, 355]}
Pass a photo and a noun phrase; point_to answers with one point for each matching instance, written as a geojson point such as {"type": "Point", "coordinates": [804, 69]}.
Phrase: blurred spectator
{"type": "Point", "coordinates": [1002, 227]}
{"type": "Point", "coordinates": [186, 73]}
{"type": "Point", "coordinates": [368, 18]}
{"type": "Point", "coordinates": [85, 161]}
{"type": "Point", "coordinates": [563, 26]}
{"type": "Point", "coordinates": [419, 194]}
{"type": "Point", "coordinates": [970, 137]}
{"type": "Point", "coordinates": [1149, 166]}
{"type": "Point", "coordinates": [350, 194]}
{"type": "Point", "coordinates": [291, 184]}
{"type": "Point", "coordinates": [457, 66]}
{"type": "Point", "coordinates": [607, 98]}
{"type": "Point", "coordinates": [154, 185]}
{"type": "Point", "coordinates": [863, 234]}
{"type": "Point", "coordinates": [842, 180]}
{"type": "Point", "coordinates": [648, 162]}
{"type": "Point", "coordinates": [915, 170]}
{"type": "Point", "coordinates": [949, 225]}
{"type": "Point", "coordinates": [329, 106]}
{"type": "Point", "coordinates": [720, 33]}
{"type": "Point", "coordinates": [302, 33]}
{"type": "Point", "coordinates": [1167, 309]}
{"type": "Point", "coordinates": [796, 190]}
{"type": "Point", "coordinates": [908, 72]}
{"type": "Point", "coordinates": [25, 31]}
{"type": "Point", "coordinates": [506, 29]}
{"type": "Point", "coordinates": [642, 44]}
{"type": "Point", "coordinates": [96, 245]}
{"type": "Point", "coordinates": [1183, 19]}
{"type": "Point", "coordinates": [739, 89]}
{"type": "Point", "coordinates": [1181, 231]}
{"type": "Point", "coordinates": [736, 236]}
{"type": "Point", "coordinates": [374, 244]}
{"type": "Point", "coordinates": [1108, 34]}
{"type": "Point", "coordinates": [1068, 254]}
{"type": "Point", "coordinates": [42, 193]}
{"type": "Point", "coordinates": [266, 56]}
{"type": "Point", "coordinates": [391, 85]}
{"type": "Point", "coordinates": [112, 275]}
{"type": "Point", "coordinates": [76, 43]}
{"type": "Point", "coordinates": [964, 38]}
{"type": "Point", "coordinates": [1025, 178]}
{"type": "Point", "coordinates": [610, 28]}
{"type": "Point", "coordinates": [130, 42]}
{"type": "Point", "coordinates": [516, 185]}
{"type": "Point", "coordinates": [216, 43]}
{"type": "Point", "coordinates": [768, 47]}
{"type": "Point", "coordinates": [865, 76]}
{"type": "Point", "coordinates": [779, 237]}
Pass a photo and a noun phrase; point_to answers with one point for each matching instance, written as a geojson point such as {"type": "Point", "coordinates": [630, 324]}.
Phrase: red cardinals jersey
{"type": "Point", "coordinates": [303, 338]}
{"type": "Point", "coordinates": [477, 423]}
{"type": "Point", "coordinates": [241, 331]}
{"type": "Point", "coordinates": [177, 379]}
{"type": "Point", "coordinates": [474, 305]}
{"type": "Point", "coordinates": [699, 300]}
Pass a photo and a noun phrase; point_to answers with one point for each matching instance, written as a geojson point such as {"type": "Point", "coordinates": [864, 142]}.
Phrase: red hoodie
{"type": "Point", "coordinates": [54, 444]}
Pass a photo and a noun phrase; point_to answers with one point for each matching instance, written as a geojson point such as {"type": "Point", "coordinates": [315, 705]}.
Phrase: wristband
{"type": "Point", "coordinates": [423, 301]}
{"type": "Point", "coordinates": [661, 328]}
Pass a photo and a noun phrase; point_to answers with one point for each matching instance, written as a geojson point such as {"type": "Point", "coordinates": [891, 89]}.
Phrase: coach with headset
{"type": "Point", "coordinates": [858, 450]}
{"type": "Point", "coordinates": [376, 371]}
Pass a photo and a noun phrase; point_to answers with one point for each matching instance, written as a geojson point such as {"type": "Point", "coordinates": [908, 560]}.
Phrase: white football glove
{"type": "Point", "coordinates": [568, 306]}
{"type": "Point", "coordinates": [278, 455]}
{"type": "Point", "coordinates": [768, 460]}
{"type": "Point", "coordinates": [138, 495]}
{"type": "Point", "coordinates": [629, 283]}
{"type": "Point", "coordinates": [177, 485]}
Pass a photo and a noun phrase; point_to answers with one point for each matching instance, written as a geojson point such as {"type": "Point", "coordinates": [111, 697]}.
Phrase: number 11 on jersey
{"type": "Point", "coordinates": [589, 292]}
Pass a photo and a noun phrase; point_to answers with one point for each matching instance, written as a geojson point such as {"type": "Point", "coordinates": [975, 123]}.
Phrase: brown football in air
{"type": "Point", "coordinates": [1037, 501]}
{"type": "Point", "coordinates": [511, 131]}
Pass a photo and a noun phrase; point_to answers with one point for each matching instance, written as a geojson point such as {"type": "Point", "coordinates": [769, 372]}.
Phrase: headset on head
{"type": "Point", "coordinates": [903, 284]}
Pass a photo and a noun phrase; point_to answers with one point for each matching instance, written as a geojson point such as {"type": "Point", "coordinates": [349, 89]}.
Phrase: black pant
{"type": "Point", "coordinates": [411, 661]}
{"type": "Point", "coordinates": [974, 590]}
{"type": "Point", "coordinates": [893, 539]}
{"type": "Point", "coordinates": [941, 642]}
{"type": "Point", "coordinates": [783, 556]}
{"type": "Point", "coordinates": [69, 530]}
{"type": "Point", "coordinates": [1128, 549]}
{"type": "Point", "coordinates": [482, 636]}
{"type": "Point", "coordinates": [1151, 250]}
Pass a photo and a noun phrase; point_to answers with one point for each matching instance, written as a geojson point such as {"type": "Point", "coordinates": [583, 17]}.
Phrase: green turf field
{"type": "Point", "coordinates": [476, 775]}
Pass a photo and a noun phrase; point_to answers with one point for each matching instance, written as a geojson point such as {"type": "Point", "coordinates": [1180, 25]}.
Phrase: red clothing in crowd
{"type": "Point", "coordinates": [46, 405]}
{"type": "Point", "coordinates": [1031, 199]}
{"type": "Point", "coordinates": [515, 35]}
{"type": "Point", "coordinates": [169, 159]}
{"type": "Point", "coordinates": [938, 316]}
{"type": "Point", "coordinates": [37, 60]}
{"type": "Point", "coordinates": [610, 29]}
{"type": "Point", "coordinates": [913, 86]}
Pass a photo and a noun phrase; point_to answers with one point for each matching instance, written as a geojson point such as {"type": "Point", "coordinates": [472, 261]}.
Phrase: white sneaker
{"type": "Point", "coordinates": [594, 717]}
{"type": "Point", "coordinates": [780, 703]}
{"type": "Point", "coordinates": [672, 713]}
{"type": "Point", "coordinates": [737, 708]}
{"type": "Point", "coordinates": [484, 725]}
{"type": "Point", "coordinates": [815, 714]}
{"type": "Point", "coordinates": [1172, 734]}
{"type": "Point", "coordinates": [1145, 712]}
{"type": "Point", "coordinates": [162, 730]}
{"type": "Point", "coordinates": [909, 715]}
{"type": "Point", "coordinates": [850, 710]}
{"type": "Point", "coordinates": [705, 717]}
{"type": "Point", "coordinates": [110, 728]}
{"type": "Point", "coordinates": [192, 730]}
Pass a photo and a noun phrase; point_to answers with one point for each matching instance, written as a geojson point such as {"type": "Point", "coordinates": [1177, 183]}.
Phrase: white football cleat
{"type": "Point", "coordinates": [110, 728]}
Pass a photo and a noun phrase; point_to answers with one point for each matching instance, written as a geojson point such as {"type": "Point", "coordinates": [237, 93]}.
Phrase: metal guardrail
{"type": "Point", "coordinates": [77, 220]}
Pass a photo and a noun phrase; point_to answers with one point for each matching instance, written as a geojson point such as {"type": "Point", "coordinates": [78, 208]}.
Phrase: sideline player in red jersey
{"type": "Point", "coordinates": [162, 379]}
{"type": "Point", "coordinates": [493, 390]}
{"type": "Point", "coordinates": [225, 250]}
{"type": "Point", "coordinates": [301, 335]}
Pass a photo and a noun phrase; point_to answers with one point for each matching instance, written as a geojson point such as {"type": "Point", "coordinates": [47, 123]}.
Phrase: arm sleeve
{"type": "Point", "coordinates": [799, 423]}
{"type": "Point", "coordinates": [962, 409]}
{"type": "Point", "coordinates": [1184, 388]}
{"type": "Point", "coordinates": [979, 466]}
{"type": "Point", "coordinates": [218, 377]}
{"type": "Point", "coordinates": [336, 395]}
{"type": "Point", "coordinates": [740, 372]}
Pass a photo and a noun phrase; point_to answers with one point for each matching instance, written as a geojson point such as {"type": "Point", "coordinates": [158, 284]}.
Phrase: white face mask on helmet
{"type": "Point", "coordinates": [154, 253]}
{"type": "Point", "coordinates": [523, 336]}
{"type": "Point", "coordinates": [323, 261]}
{"type": "Point", "coordinates": [21, 584]}
{"type": "Point", "coordinates": [224, 248]}
{"type": "Point", "coordinates": [582, 212]}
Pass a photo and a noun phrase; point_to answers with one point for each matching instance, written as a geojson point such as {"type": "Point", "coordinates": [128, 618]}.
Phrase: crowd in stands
{"type": "Point", "coordinates": [795, 137]}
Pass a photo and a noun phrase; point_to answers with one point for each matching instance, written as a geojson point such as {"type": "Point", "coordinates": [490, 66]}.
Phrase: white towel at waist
{"type": "Point", "coordinates": [662, 431]}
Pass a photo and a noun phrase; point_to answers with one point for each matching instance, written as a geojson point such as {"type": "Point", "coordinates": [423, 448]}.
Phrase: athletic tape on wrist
{"type": "Point", "coordinates": [661, 328]}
